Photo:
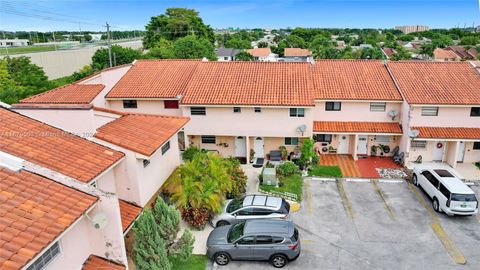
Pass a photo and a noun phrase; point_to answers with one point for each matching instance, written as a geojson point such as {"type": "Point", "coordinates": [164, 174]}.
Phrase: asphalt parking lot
{"type": "Point", "coordinates": [378, 225]}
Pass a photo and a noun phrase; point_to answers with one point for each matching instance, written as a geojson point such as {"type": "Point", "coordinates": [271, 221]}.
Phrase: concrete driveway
{"type": "Point", "coordinates": [378, 225]}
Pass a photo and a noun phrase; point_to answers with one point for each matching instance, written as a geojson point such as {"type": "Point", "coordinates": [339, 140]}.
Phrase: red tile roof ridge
{"type": "Point", "coordinates": [169, 60]}
{"type": "Point", "coordinates": [27, 100]}
{"type": "Point", "coordinates": [101, 109]}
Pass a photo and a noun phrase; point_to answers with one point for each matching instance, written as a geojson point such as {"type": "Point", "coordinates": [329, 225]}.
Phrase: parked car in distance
{"type": "Point", "coordinates": [271, 240]}
{"type": "Point", "coordinates": [252, 207]}
{"type": "Point", "coordinates": [448, 193]}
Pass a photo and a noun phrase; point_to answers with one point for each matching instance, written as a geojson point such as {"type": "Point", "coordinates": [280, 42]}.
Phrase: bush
{"type": "Point", "coordinates": [315, 160]}
{"type": "Point", "coordinates": [238, 177]}
{"type": "Point", "coordinates": [190, 152]}
{"type": "Point", "coordinates": [283, 151]}
{"type": "Point", "coordinates": [288, 168]}
{"type": "Point", "coordinates": [196, 217]}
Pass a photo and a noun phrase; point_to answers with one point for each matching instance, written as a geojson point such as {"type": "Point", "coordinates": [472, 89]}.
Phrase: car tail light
{"type": "Point", "coordinates": [284, 217]}
{"type": "Point", "coordinates": [293, 247]}
{"type": "Point", "coordinates": [448, 203]}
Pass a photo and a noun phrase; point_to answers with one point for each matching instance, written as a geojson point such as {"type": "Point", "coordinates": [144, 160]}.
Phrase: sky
{"type": "Point", "coordinates": [75, 15]}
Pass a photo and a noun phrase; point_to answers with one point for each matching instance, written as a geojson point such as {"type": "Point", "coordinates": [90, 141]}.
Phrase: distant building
{"type": "Point", "coordinates": [340, 44]}
{"type": "Point", "coordinates": [443, 55]}
{"type": "Point", "coordinates": [14, 42]}
{"type": "Point", "coordinates": [407, 29]}
{"type": "Point", "coordinates": [464, 53]}
{"type": "Point", "coordinates": [226, 54]}
{"type": "Point", "coordinates": [263, 54]}
{"type": "Point", "coordinates": [389, 52]}
{"type": "Point", "coordinates": [297, 55]}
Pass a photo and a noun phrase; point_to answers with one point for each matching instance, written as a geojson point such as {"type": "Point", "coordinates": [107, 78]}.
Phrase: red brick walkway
{"type": "Point", "coordinates": [367, 166]}
{"type": "Point", "coordinates": [346, 163]}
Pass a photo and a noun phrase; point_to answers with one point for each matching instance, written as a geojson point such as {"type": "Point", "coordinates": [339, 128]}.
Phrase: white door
{"type": "Point", "coordinates": [258, 147]}
{"type": "Point", "coordinates": [343, 143]}
{"type": "Point", "coordinates": [240, 147]}
{"type": "Point", "coordinates": [362, 145]}
{"type": "Point", "coordinates": [461, 151]}
{"type": "Point", "coordinates": [438, 151]}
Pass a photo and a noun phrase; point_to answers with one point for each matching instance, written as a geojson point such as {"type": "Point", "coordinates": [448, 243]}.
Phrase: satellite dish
{"type": "Point", "coordinates": [413, 133]}
{"type": "Point", "coordinates": [99, 221]}
{"type": "Point", "coordinates": [393, 114]}
{"type": "Point", "coordinates": [302, 129]}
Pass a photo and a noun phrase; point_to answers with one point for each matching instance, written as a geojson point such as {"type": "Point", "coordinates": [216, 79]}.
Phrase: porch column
{"type": "Point", "coordinates": [247, 145]}
{"type": "Point", "coordinates": [451, 152]}
{"type": "Point", "coordinates": [355, 142]}
{"type": "Point", "coordinates": [187, 140]}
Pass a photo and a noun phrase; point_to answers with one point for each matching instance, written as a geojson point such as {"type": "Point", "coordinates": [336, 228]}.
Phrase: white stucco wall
{"type": "Point", "coordinates": [354, 111]}
{"type": "Point", "coordinates": [447, 117]}
{"type": "Point", "coordinates": [145, 106]}
{"type": "Point", "coordinates": [108, 78]}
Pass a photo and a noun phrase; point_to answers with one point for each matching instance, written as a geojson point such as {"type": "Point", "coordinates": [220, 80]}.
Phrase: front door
{"type": "Point", "coordinates": [240, 147]}
{"type": "Point", "coordinates": [438, 151]}
{"type": "Point", "coordinates": [362, 145]}
{"type": "Point", "coordinates": [258, 147]}
{"type": "Point", "coordinates": [461, 151]}
{"type": "Point", "coordinates": [343, 143]}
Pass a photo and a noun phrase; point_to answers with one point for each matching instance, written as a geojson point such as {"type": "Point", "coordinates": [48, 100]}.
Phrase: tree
{"type": "Point", "coordinates": [307, 151]}
{"type": "Point", "coordinates": [469, 40]}
{"type": "Point", "coordinates": [163, 50]}
{"type": "Point", "coordinates": [120, 56]}
{"type": "Point", "coordinates": [238, 44]}
{"type": "Point", "coordinates": [442, 41]}
{"type": "Point", "coordinates": [191, 47]}
{"type": "Point", "coordinates": [10, 91]}
{"type": "Point", "coordinates": [27, 74]}
{"type": "Point", "coordinates": [401, 54]}
{"type": "Point", "coordinates": [174, 24]}
{"type": "Point", "coordinates": [149, 247]}
{"type": "Point", "coordinates": [244, 56]}
{"type": "Point", "coordinates": [427, 49]}
{"type": "Point", "coordinates": [262, 44]}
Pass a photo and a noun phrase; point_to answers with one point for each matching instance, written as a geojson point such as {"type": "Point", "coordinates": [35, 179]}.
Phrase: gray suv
{"type": "Point", "coordinates": [276, 241]}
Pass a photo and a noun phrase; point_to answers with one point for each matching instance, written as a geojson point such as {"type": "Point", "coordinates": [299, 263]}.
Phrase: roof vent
{"type": "Point", "coordinates": [204, 59]}
{"type": "Point", "coordinates": [11, 162]}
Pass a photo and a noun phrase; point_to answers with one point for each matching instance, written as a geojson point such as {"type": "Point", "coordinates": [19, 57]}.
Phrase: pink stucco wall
{"type": "Point", "coordinates": [145, 106]}
{"type": "Point", "coordinates": [354, 111]}
{"type": "Point", "coordinates": [447, 117]}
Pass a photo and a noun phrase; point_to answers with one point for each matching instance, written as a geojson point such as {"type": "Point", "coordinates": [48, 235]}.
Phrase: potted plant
{"type": "Point", "coordinates": [252, 154]}
{"type": "Point", "coordinates": [283, 151]}
{"type": "Point", "coordinates": [373, 150]}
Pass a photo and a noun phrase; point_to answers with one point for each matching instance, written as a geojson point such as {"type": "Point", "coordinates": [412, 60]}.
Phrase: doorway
{"type": "Point", "coordinates": [362, 145]}
{"type": "Point", "coordinates": [461, 151]}
{"type": "Point", "coordinates": [240, 147]}
{"type": "Point", "coordinates": [438, 151]}
{"type": "Point", "coordinates": [258, 147]}
{"type": "Point", "coordinates": [343, 144]}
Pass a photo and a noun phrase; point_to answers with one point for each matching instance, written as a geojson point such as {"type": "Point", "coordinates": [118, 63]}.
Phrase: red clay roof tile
{"type": "Point", "coordinates": [353, 80]}
{"type": "Point", "coordinates": [357, 127]}
{"type": "Point", "coordinates": [437, 82]}
{"type": "Point", "coordinates": [98, 263]}
{"type": "Point", "coordinates": [448, 133]}
{"type": "Point", "coordinates": [296, 52]}
{"type": "Point", "coordinates": [53, 148]}
{"type": "Point", "coordinates": [260, 52]}
{"type": "Point", "coordinates": [33, 223]}
{"type": "Point", "coordinates": [141, 133]}
{"type": "Point", "coordinates": [128, 212]}
{"type": "Point", "coordinates": [70, 93]}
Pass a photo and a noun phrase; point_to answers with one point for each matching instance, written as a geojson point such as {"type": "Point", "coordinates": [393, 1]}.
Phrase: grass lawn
{"type": "Point", "coordinates": [325, 171]}
{"type": "Point", "coordinates": [292, 184]}
{"type": "Point", "coordinates": [29, 49]}
{"type": "Point", "coordinates": [195, 262]}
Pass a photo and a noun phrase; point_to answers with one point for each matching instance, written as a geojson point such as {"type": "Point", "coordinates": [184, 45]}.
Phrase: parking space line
{"type": "Point", "coordinates": [343, 195]}
{"type": "Point", "coordinates": [447, 243]}
{"type": "Point", "coordinates": [382, 197]}
{"type": "Point", "coordinates": [309, 203]}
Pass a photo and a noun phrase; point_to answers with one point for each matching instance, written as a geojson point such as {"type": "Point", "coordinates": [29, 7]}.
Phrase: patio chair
{"type": "Point", "coordinates": [275, 155]}
{"type": "Point", "coordinates": [395, 151]}
{"type": "Point", "coordinates": [419, 159]}
{"type": "Point", "coordinates": [399, 158]}
{"type": "Point", "coordinates": [258, 162]}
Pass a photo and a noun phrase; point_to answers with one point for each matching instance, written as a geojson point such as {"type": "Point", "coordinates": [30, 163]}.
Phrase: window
{"type": "Point", "coordinates": [130, 104]}
{"type": "Point", "coordinates": [419, 144]}
{"type": "Point", "coordinates": [247, 240]}
{"type": "Point", "coordinates": [432, 179]}
{"type": "Point", "coordinates": [475, 111]}
{"type": "Point", "coordinates": [333, 106]}
{"type": "Point", "coordinates": [382, 138]}
{"type": "Point", "coordinates": [170, 104]}
{"type": "Point", "coordinates": [146, 162]}
{"type": "Point", "coordinates": [225, 58]}
{"type": "Point", "coordinates": [378, 106]}
{"type": "Point", "coordinates": [257, 109]}
{"type": "Point", "coordinates": [237, 109]}
{"type": "Point", "coordinates": [291, 141]}
{"type": "Point", "coordinates": [322, 138]}
{"type": "Point", "coordinates": [476, 145]}
{"type": "Point", "coordinates": [264, 239]}
{"type": "Point", "coordinates": [429, 111]}
{"type": "Point", "coordinates": [297, 112]}
{"type": "Point", "coordinates": [245, 212]}
{"type": "Point", "coordinates": [165, 147]}
{"type": "Point", "coordinates": [198, 111]}
{"type": "Point", "coordinates": [209, 139]}
{"type": "Point", "coordinates": [46, 257]}
{"type": "Point", "coordinates": [444, 191]}
{"type": "Point", "coordinates": [277, 239]}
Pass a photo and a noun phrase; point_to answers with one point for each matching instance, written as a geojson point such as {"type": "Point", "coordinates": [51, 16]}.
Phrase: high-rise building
{"type": "Point", "coordinates": [407, 29]}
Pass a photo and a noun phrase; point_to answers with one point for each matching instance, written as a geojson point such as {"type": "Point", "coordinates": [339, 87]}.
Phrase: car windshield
{"type": "Point", "coordinates": [236, 232]}
{"type": "Point", "coordinates": [234, 205]}
{"type": "Point", "coordinates": [464, 197]}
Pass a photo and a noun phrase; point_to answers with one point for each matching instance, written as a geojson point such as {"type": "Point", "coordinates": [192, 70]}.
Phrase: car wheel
{"type": "Point", "coordinates": [278, 261]}
{"type": "Point", "coordinates": [222, 258]}
{"type": "Point", "coordinates": [415, 180]}
{"type": "Point", "coordinates": [435, 205]}
{"type": "Point", "coordinates": [222, 223]}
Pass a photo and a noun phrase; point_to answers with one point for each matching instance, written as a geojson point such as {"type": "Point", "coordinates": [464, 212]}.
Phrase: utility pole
{"type": "Point", "coordinates": [54, 41]}
{"type": "Point", "coordinates": [108, 43]}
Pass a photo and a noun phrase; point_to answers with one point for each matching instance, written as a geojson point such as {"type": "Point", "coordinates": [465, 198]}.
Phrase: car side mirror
{"type": "Point", "coordinates": [235, 245]}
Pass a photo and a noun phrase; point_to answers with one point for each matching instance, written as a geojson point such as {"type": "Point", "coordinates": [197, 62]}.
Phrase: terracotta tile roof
{"type": "Point", "coordinates": [70, 93]}
{"type": "Point", "coordinates": [129, 212]}
{"type": "Point", "coordinates": [100, 109]}
{"type": "Point", "coordinates": [52, 106]}
{"type": "Point", "coordinates": [448, 133]}
{"type": "Point", "coordinates": [357, 127]}
{"type": "Point", "coordinates": [98, 263]}
{"type": "Point", "coordinates": [141, 133]}
{"type": "Point", "coordinates": [34, 212]}
{"type": "Point", "coordinates": [154, 79]}
{"type": "Point", "coordinates": [388, 51]}
{"type": "Point", "coordinates": [53, 148]}
{"type": "Point", "coordinates": [353, 80]}
{"type": "Point", "coordinates": [437, 82]}
{"type": "Point", "coordinates": [260, 52]}
{"type": "Point", "coordinates": [296, 52]}
{"type": "Point", "coordinates": [441, 54]}
{"type": "Point", "coordinates": [250, 83]}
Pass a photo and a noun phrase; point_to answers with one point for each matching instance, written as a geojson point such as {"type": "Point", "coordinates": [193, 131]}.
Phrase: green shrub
{"type": "Point", "coordinates": [196, 217]}
{"type": "Point", "coordinates": [288, 168]}
{"type": "Point", "coordinates": [315, 160]}
{"type": "Point", "coordinates": [190, 152]}
{"type": "Point", "coordinates": [283, 151]}
{"type": "Point", "coordinates": [238, 177]}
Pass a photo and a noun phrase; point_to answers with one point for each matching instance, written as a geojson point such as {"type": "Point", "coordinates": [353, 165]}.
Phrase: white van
{"type": "Point", "coordinates": [449, 194]}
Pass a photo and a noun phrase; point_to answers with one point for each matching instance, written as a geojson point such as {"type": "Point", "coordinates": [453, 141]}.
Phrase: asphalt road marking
{"type": "Point", "coordinates": [448, 244]}
{"type": "Point", "coordinates": [346, 202]}
{"type": "Point", "coordinates": [382, 197]}
{"type": "Point", "coordinates": [309, 199]}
